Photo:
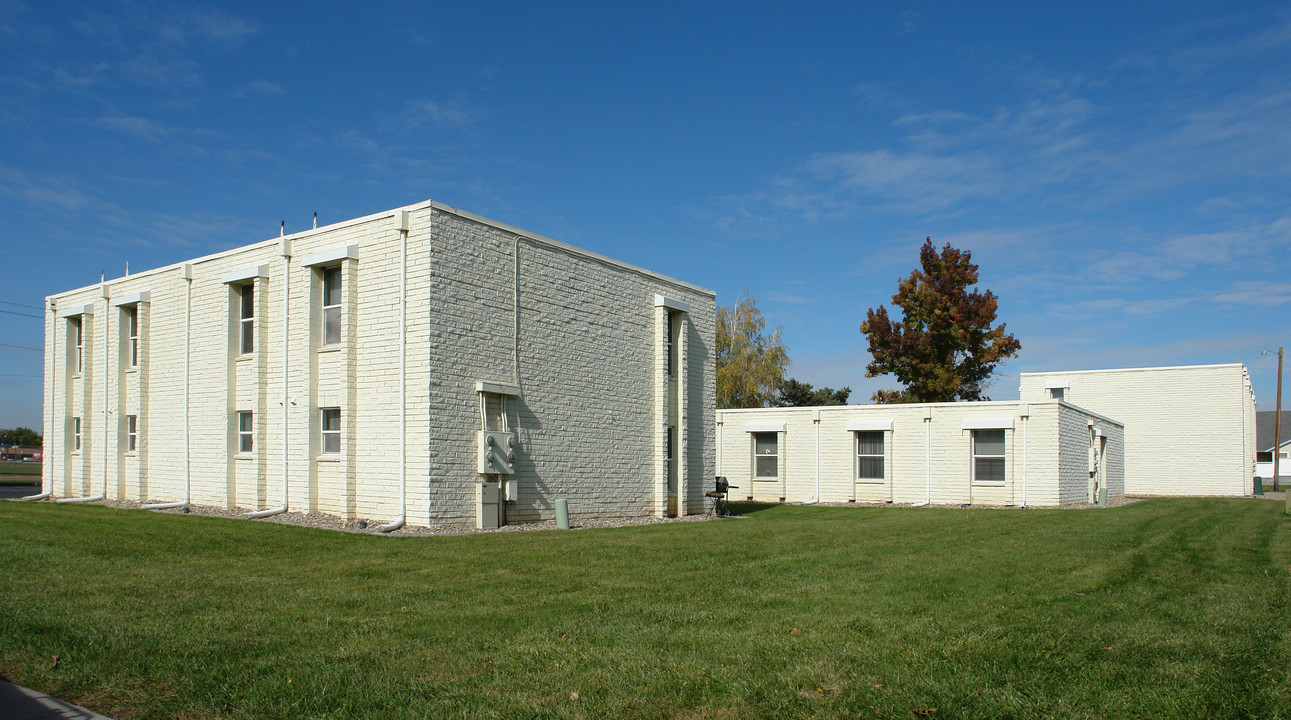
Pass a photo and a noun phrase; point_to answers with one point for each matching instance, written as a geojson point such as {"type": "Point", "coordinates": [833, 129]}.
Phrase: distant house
{"type": "Point", "coordinates": [1264, 441]}
{"type": "Point", "coordinates": [21, 454]}
{"type": "Point", "coordinates": [1189, 430]}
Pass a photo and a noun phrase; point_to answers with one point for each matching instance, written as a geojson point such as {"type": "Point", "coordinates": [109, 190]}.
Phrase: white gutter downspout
{"type": "Point", "coordinates": [815, 420]}
{"type": "Point", "coordinates": [188, 332]}
{"type": "Point", "coordinates": [284, 246]}
{"type": "Point", "coordinates": [401, 218]}
{"type": "Point", "coordinates": [103, 290]}
{"type": "Point", "coordinates": [927, 458]}
{"type": "Point", "coordinates": [53, 395]}
{"type": "Point", "coordinates": [1025, 416]}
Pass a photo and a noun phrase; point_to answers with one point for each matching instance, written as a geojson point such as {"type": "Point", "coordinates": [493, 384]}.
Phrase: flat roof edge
{"type": "Point", "coordinates": [1135, 369]}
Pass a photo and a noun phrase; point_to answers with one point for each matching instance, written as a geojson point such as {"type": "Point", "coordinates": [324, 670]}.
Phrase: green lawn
{"type": "Point", "coordinates": [1168, 608]}
{"type": "Point", "coordinates": [19, 471]}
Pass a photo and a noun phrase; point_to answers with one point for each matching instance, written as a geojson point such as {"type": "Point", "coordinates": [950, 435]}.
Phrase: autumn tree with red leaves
{"type": "Point", "coordinates": [944, 349]}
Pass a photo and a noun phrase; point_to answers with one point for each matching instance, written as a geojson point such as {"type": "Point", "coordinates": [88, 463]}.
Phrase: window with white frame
{"type": "Point", "coordinates": [132, 433]}
{"type": "Point", "coordinates": [766, 455]}
{"type": "Point", "coordinates": [869, 455]}
{"type": "Point", "coordinates": [331, 305]}
{"type": "Point", "coordinates": [78, 337]}
{"type": "Point", "coordinates": [76, 433]}
{"type": "Point", "coordinates": [1057, 393]}
{"type": "Point", "coordinates": [246, 318]}
{"type": "Point", "coordinates": [246, 431]}
{"type": "Point", "coordinates": [331, 430]}
{"type": "Point", "coordinates": [132, 331]}
{"type": "Point", "coordinates": [671, 349]}
{"type": "Point", "coordinates": [988, 456]}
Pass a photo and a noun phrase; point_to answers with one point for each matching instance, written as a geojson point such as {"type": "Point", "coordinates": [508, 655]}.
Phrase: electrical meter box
{"type": "Point", "coordinates": [497, 452]}
{"type": "Point", "coordinates": [488, 511]}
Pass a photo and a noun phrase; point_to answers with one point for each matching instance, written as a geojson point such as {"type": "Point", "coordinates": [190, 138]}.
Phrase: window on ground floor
{"type": "Point", "coordinates": [988, 455]}
{"type": "Point", "coordinates": [331, 430]}
{"type": "Point", "coordinates": [132, 433]}
{"type": "Point", "coordinates": [766, 455]}
{"type": "Point", "coordinates": [869, 455]}
{"type": "Point", "coordinates": [246, 431]}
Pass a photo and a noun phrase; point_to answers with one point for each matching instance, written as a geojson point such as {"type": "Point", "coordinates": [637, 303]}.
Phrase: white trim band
{"type": "Point", "coordinates": [132, 299]}
{"type": "Point", "coordinates": [867, 425]}
{"type": "Point", "coordinates": [246, 273]}
{"type": "Point", "coordinates": [665, 301]}
{"type": "Point", "coordinates": [75, 310]}
{"type": "Point", "coordinates": [1054, 384]}
{"type": "Point", "coordinates": [331, 255]}
{"type": "Point", "coordinates": [988, 423]}
{"type": "Point", "coordinates": [764, 426]}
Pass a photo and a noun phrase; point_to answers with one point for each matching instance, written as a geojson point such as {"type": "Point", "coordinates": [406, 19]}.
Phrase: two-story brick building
{"type": "Point", "coordinates": [422, 365]}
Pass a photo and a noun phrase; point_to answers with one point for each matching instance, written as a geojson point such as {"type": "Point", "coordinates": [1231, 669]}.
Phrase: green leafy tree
{"type": "Point", "coordinates": [944, 348]}
{"type": "Point", "coordinates": [22, 437]}
{"type": "Point", "coordinates": [750, 363]}
{"type": "Point", "coordinates": [800, 394]}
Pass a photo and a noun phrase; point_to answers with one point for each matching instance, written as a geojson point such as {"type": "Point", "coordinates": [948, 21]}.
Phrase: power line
{"type": "Point", "coordinates": [15, 312]}
{"type": "Point", "coordinates": [20, 347]}
{"type": "Point", "coordinates": [33, 307]}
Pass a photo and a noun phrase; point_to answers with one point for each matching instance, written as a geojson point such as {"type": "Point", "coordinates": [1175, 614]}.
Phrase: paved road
{"type": "Point", "coordinates": [17, 491]}
{"type": "Point", "coordinates": [19, 703]}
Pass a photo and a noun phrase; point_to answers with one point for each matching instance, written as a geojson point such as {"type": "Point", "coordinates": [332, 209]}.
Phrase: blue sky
{"type": "Point", "coordinates": [1119, 171]}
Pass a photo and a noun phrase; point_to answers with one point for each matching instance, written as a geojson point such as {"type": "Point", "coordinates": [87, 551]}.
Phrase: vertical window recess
{"type": "Point", "coordinates": [331, 430]}
{"type": "Point", "coordinates": [246, 431]}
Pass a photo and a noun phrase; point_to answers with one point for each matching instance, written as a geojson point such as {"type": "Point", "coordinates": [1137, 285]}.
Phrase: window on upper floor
{"type": "Point", "coordinates": [869, 455]}
{"type": "Point", "coordinates": [331, 306]}
{"type": "Point", "coordinates": [766, 454]}
{"type": "Point", "coordinates": [132, 333]}
{"type": "Point", "coordinates": [77, 327]}
{"type": "Point", "coordinates": [1057, 393]}
{"type": "Point", "coordinates": [247, 318]}
{"type": "Point", "coordinates": [988, 456]}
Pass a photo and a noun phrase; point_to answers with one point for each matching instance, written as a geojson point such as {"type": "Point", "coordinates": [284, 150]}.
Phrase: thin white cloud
{"type": "Point", "coordinates": [136, 126]}
{"type": "Point", "coordinates": [263, 88]}
{"type": "Point", "coordinates": [443, 115]}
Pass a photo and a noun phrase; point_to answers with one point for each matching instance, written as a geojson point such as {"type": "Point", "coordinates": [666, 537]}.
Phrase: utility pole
{"type": "Point", "coordinates": [1277, 430]}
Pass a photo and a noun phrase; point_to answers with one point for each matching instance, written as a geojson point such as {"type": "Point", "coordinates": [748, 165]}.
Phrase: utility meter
{"type": "Point", "coordinates": [496, 455]}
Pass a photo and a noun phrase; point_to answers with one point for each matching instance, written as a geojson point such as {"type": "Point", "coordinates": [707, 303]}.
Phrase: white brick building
{"type": "Point", "coordinates": [1047, 453]}
{"type": "Point", "coordinates": [387, 367]}
{"type": "Point", "coordinates": [1189, 430]}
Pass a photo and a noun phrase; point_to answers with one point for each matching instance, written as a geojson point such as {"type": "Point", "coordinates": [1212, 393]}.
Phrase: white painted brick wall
{"type": "Point", "coordinates": [586, 372]}
{"type": "Point", "coordinates": [1188, 430]}
{"type": "Point", "coordinates": [914, 468]}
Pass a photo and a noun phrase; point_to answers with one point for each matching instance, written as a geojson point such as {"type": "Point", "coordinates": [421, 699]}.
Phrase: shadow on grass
{"type": "Point", "coordinates": [750, 508]}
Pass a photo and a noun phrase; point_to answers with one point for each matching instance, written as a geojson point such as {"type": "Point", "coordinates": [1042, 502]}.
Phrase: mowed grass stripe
{"type": "Point", "coordinates": [1160, 609]}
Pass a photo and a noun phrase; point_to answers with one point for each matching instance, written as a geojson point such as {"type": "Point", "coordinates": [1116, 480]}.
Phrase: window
{"type": "Point", "coordinates": [1058, 393]}
{"type": "Point", "coordinates": [80, 347]}
{"type": "Point", "coordinates": [988, 455]}
{"type": "Point", "coordinates": [331, 430]}
{"type": "Point", "coordinates": [331, 306]}
{"type": "Point", "coordinates": [869, 455]}
{"type": "Point", "coordinates": [247, 318]}
{"type": "Point", "coordinates": [671, 349]}
{"type": "Point", "coordinates": [765, 455]}
{"type": "Point", "coordinates": [132, 327]}
{"type": "Point", "coordinates": [246, 429]}
{"type": "Point", "coordinates": [132, 433]}
{"type": "Point", "coordinates": [76, 433]}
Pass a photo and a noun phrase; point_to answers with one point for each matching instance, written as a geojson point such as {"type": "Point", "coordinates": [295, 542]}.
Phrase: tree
{"type": "Point", "coordinates": [800, 394]}
{"type": "Point", "coordinates": [750, 365]}
{"type": "Point", "coordinates": [944, 348]}
{"type": "Point", "coordinates": [21, 437]}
